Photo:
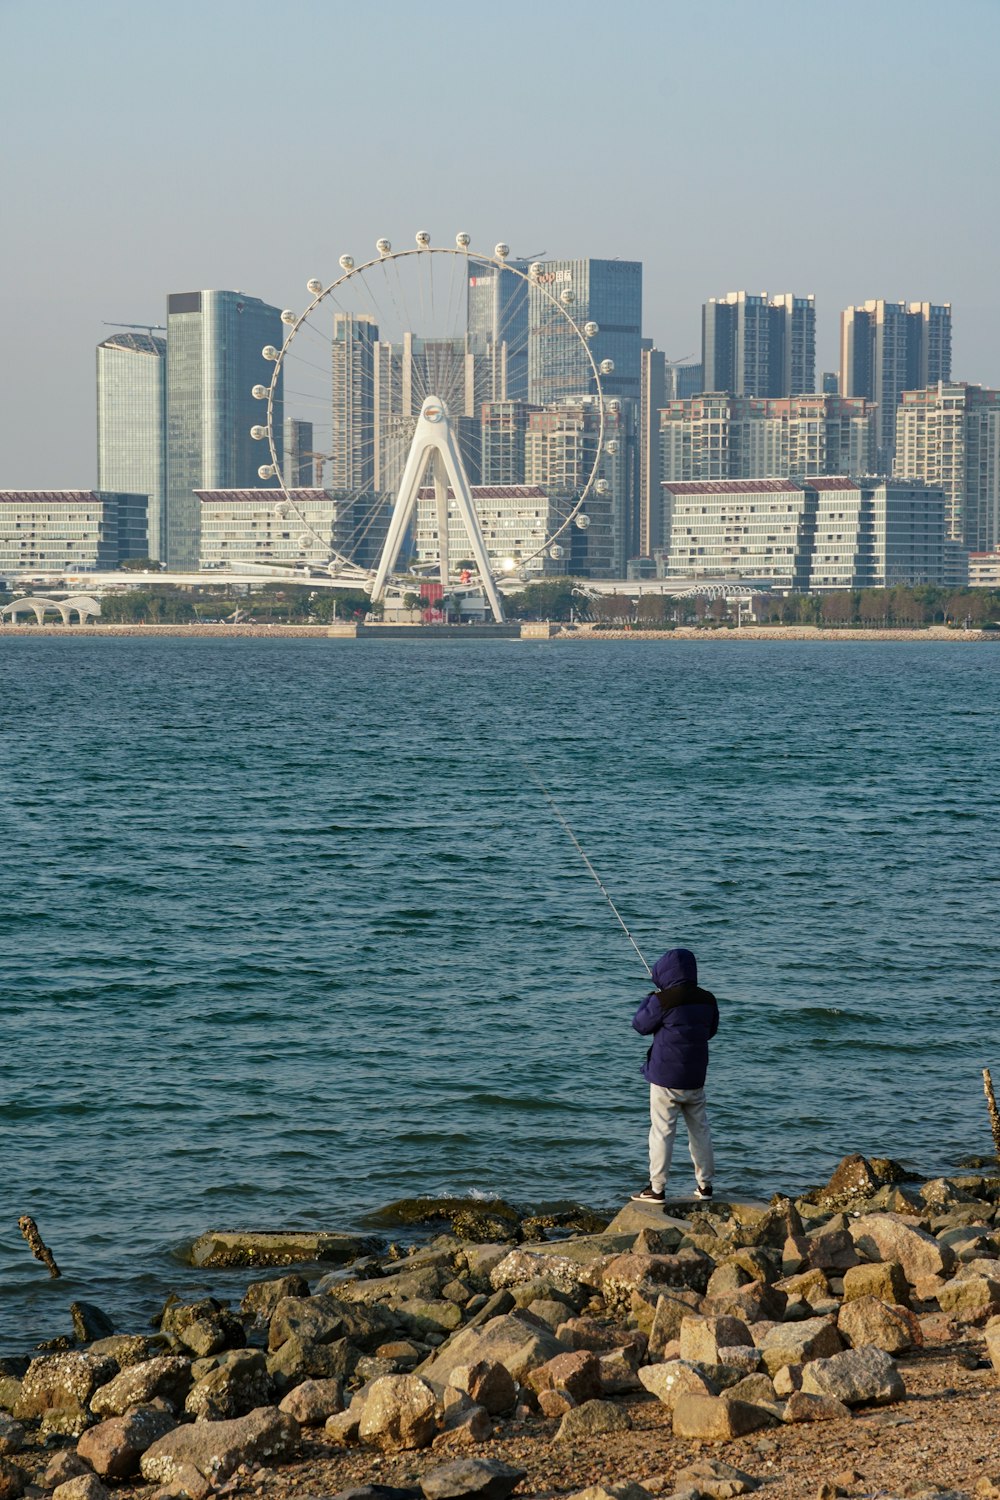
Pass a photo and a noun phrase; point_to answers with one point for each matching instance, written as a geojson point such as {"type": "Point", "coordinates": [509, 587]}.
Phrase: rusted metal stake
{"type": "Point", "coordinates": [991, 1105]}
{"type": "Point", "coordinates": [40, 1249]}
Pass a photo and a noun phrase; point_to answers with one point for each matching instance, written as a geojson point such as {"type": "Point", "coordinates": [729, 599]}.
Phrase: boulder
{"type": "Point", "coordinates": [323, 1320]}
{"type": "Point", "coordinates": [702, 1338]}
{"type": "Point", "coordinates": [301, 1359]}
{"type": "Point", "coordinates": [13, 1479]}
{"type": "Point", "coordinates": [464, 1427]}
{"type": "Point", "coordinates": [798, 1343]}
{"type": "Point", "coordinates": [83, 1487]}
{"type": "Point", "coordinates": [166, 1378]}
{"type": "Point", "coordinates": [262, 1297]}
{"type": "Point", "coordinates": [592, 1419]}
{"type": "Point", "coordinates": [90, 1322]}
{"type": "Point", "coordinates": [716, 1419]}
{"type": "Point", "coordinates": [420, 1316]}
{"type": "Point", "coordinates": [114, 1447]}
{"type": "Point", "coordinates": [801, 1407]}
{"type": "Point", "coordinates": [510, 1340]}
{"type": "Point", "coordinates": [475, 1478]}
{"type": "Point", "coordinates": [619, 1368]}
{"type": "Point", "coordinates": [226, 1248]}
{"type": "Point", "coordinates": [971, 1298]}
{"type": "Point", "coordinates": [867, 1320]}
{"type": "Point", "coordinates": [593, 1333]}
{"type": "Point", "coordinates": [313, 1401]}
{"type": "Point", "coordinates": [755, 1302]}
{"type": "Point", "coordinates": [673, 1379]}
{"type": "Point", "coordinates": [488, 1383]}
{"type": "Point", "coordinates": [217, 1449]}
{"type": "Point", "coordinates": [880, 1278]}
{"type": "Point", "coordinates": [628, 1490]}
{"type": "Point", "coordinates": [10, 1389]}
{"type": "Point", "coordinates": [671, 1310]}
{"type": "Point", "coordinates": [758, 1389]}
{"type": "Point", "coordinates": [864, 1376]}
{"type": "Point", "coordinates": [891, 1237]}
{"type": "Point", "coordinates": [239, 1384]}
{"type": "Point", "coordinates": [58, 1389]}
{"type": "Point", "coordinates": [520, 1266]}
{"type": "Point", "coordinates": [399, 1412]}
{"type": "Point", "coordinates": [11, 1435]}
{"type": "Point", "coordinates": [127, 1348]}
{"type": "Point", "coordinates": [578, 1373]}
{"type": "Point", "coordinates": [853, 1177]}
{"type": "Point", "coordinates": [832, 1251]}
{"type": "Point", "coordinates": [689, 1269]}
{"type": "Point", "coordinates": [714, 1479]}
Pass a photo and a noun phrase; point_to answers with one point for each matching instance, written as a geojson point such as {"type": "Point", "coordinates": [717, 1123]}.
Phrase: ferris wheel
{"type": "Point", "coordinates": [403, 389]}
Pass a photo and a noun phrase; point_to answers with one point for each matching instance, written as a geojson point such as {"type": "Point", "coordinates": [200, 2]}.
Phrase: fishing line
{"type": "Point", "coordinates": [583, 855]}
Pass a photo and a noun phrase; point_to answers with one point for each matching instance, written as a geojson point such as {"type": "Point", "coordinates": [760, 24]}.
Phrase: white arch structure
{"type": "Point", "coordinates": [82, 605]}
{"type": "Point", "coordinates": [434, 445]}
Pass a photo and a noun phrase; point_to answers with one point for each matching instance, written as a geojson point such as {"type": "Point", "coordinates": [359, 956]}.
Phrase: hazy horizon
{"type": "Point", "coordinates": [773, 147]}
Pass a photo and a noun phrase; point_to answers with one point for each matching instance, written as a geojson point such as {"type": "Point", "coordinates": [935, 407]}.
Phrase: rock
{"type": "Point", "coordinates": [83, 1487]}
{"type": "Point", "coordinates": [663, 1241]}
{"type": "Point", "coordinates": [11, 1435]}
{"type": "Point", "coordinates": [971, 1298]}
{"type": "Point", "coordinates": [702, 1338]}
{"type": "Point", "coordinates": [400, 1411]}
{"type": "Point", "coordinates": [12, 1479]}
{"type": "Point", "coordinates": [801, 1407]}
{"type": "Point", "coordinates": [127, 1348]}
{"type": "Point", "coordinates": [477, 1478]}
{"type": "Point", "coordinates": [677, 1377]}
{"type": "Point", "coordinates": [555, 1403]}
{"type": "Point", "coordinates": [377, 1492]}
{"type": "Point", "coordinates": [757, 1389]}
{"type": "Point", "coordinates": [10, 1389]}
{"type": "Point", "coordinates": [167, 1378]}
{"type": "Point", "coordinates": [324, 1320]}
{"type": "Point", "coordinates": [798, 1343]}
{"type": "Point", "coordinates": [714, 1479]}
{"type": "Point", "coordinates": [187, 1484]}
{"type": "Point", "coordinates": [531, 1265]}
{"type": "Point", "coordinates": [217, 1449]}
{"type": "Point", "coordinates": [857, 1377]}
{"type": "Point", "coordinates": [787, 1380]}
{"type": "Point", "coordinates": [592, 1419]}
{"type": "Point", "coordinates": [993, 1345]}
{"type": "Point", "coordinates": [300, 1359]}
{"type": "Point", "coordinates": [619, 1369]}
{"type": "Point", "coordinates": [853, 1177]}
{"type": "Point", "coordinates": [343, 1426]}
{"type": "Point", "coordinates": [881, 1278]}
{"type": "Point", "coordinates": [591, 1333]}
{"type": "Point", "coordinates": [671, 1310]}
{"type": "Point", "coordinates": [313, 1401]}
{"type": "Point", "coordinates": [867, 1320]}
{"type": "Point", "coordinates": [626, 1491]}
{"type": "Point", "coordinates": [420, 1316]}
{"type": "Point", "coordinates": [58, 1388]}
{"type": "Point", "coordinates": [509, 1340]}
{"type": "Point", "coordinates": [689, 1269]}
{"type": "Point", "coordinates": [422, 1281]}
{"type": "Point", "coordinates": [833, 1251]}
{"type": "Point", "coordinates": [262, 1297]}
{"type": "Point", "coordinates": [114, 1447]}
{"type": "Point", "coordinates": [809, 1285]}
{"type": "Point", "coordinates": [464, 1427]}
{"type": "Point", "coordinates": [551, 1312]}
{"type": "Point", "coordinates": [224, 1248]}
{"type": "Point", "coordinates": [239, 1384]}
{"type": "Point", "coordinates": [890, 1237]}
{"type": "Point", "coordinates": [66, 1464]}
{"type": "Point", "coordinates": [716, 1419]}
{"type": "Point", "coordinates": [741, 1357]}
{"type": "Point", "coordinates": [488, 1383]}
{"type": "Point", "coordinates": [89, 1322]}
{"type": "Point", "coordinates": [578, 1373]}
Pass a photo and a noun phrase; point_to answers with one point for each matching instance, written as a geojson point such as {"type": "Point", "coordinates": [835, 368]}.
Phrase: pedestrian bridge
{"type": "Point", "coordinates": [84, 606]}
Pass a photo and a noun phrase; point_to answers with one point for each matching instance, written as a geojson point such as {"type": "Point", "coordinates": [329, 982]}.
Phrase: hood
{"type": "Point", "coordinates": [679, 966]}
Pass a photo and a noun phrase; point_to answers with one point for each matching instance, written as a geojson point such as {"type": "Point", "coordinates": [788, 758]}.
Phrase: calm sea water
{"type": "Point", "coordinates": [289, 932]}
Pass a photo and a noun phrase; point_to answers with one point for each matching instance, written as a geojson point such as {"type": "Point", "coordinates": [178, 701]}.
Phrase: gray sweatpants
{"type": "Point", "coordinates": [664, 1107]}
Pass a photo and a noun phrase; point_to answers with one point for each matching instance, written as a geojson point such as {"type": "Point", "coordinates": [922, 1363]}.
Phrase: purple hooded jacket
{"type": "Point", "coordinates": [680, 1018]}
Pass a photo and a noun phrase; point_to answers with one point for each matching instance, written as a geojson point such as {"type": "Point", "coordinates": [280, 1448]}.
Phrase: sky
{"type": "Point", "coordinates": [847, 150]}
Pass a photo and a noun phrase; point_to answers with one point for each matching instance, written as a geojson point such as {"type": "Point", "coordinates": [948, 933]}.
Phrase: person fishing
{"type": "Point", "coordinates": [681, 1018]}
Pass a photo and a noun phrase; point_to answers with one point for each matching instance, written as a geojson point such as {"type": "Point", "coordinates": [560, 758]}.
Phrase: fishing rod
{"type": "Point", "coordinates": [583, 855]}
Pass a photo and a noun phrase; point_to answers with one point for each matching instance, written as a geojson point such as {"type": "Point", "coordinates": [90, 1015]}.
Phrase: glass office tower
{"type": "Point", "coordinates": [131, 434]}
{"type": "Point", "coordinates": [214, 343]}
{"type": "Point", "coordinates": [607, 292]}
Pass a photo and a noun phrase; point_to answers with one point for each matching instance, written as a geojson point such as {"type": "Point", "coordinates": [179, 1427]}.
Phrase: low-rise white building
{"type": "Point", "coordinates": [73, 530]}
{"type": "Point", "coordinates": [303, 526]}
{"type": "Point", "coordinates": [516, 521]}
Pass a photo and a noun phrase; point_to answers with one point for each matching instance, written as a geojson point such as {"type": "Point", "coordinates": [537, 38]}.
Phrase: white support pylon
{"type": "Point", "coordinates": [435, 438]}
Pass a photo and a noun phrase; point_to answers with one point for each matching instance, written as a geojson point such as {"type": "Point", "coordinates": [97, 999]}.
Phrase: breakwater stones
{"type": "Point", "coordinates": [615, 1359]}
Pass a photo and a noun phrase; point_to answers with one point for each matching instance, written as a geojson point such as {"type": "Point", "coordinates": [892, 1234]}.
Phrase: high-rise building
{"type": "Point", "coordinates": [562, 443]}
{"type": "Point", "coordinates": [131, 423]}
{"type": "Point", "coordinates": [352, 441]}
{"type": "Point", "coordinates": [297, 460]}
{"type": "Point", "coordinates": [503, 425]}
{"type": "Point", "coordinates": [214, 343]}
{"type": "Point", "coordinates": [814, 534]}
{"type": "Point", "coordinates": [606, 292]}
{"type": "Point", "coordinates": [887, 348]}
{"type": "Point", "coordinates": [949, 435]}
{"type": "Point", "coordinates": [716, 436]}
{"type": "Point", "coordinates": [406, 373]}
{"type": "Point", "coordinates": [653, 397]}
{"type": "Point", "coordinates": [682, 380]}
{"type": "Point", "coordinates": [498, 326]}
{"type": "Point", "coordinates": [755, 346]}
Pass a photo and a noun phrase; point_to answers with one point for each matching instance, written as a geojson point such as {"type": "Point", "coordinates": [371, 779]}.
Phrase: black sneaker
{"type": "Point", "coordinates": [647, 1195]}
{"type": "Point", "coordinates": [703, 1192]}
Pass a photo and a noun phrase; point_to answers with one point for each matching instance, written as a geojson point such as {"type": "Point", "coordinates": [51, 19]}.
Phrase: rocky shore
{"type": "Point", "coordinates": [844, 1343]}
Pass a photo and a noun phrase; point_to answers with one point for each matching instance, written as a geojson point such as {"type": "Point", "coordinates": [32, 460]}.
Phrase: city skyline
{"type": "Point", "coordinates": [111, 206]}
